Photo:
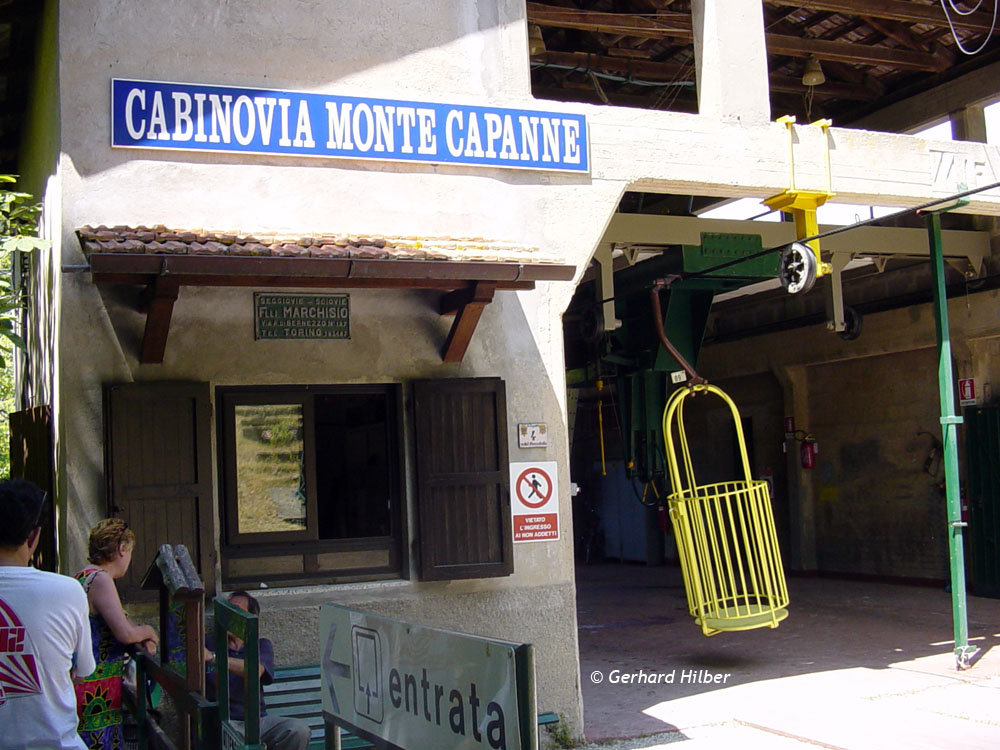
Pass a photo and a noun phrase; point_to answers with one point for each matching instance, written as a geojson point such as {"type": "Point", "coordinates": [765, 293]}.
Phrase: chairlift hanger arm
{"type": "Point", "coordinates": [654, 295]}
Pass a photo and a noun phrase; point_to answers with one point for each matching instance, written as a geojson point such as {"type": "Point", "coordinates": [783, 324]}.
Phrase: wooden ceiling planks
{"type": "Point", "coordinates": [869, 50]}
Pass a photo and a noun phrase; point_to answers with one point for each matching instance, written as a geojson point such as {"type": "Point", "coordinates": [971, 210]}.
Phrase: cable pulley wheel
{"type": "Point", "coordinates": [797, 268]}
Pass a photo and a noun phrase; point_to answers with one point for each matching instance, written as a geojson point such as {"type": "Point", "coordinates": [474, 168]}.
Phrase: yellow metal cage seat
{"type": "Point", "coordinates": [725, 534]}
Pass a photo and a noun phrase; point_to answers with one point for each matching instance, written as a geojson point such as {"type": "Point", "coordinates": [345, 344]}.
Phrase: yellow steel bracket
{"type": "Point", "coordinates": [802, 204]}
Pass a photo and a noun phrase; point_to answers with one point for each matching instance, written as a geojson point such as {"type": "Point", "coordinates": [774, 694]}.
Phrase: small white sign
{"type": "Point", "coordinates": [967, 391]}
{"type": "Point", "coordinates": [678, 376]}
{"type": "Point", "coordinates": [532, 435]}
{"type": "Point", "coordinates": [534, 501]}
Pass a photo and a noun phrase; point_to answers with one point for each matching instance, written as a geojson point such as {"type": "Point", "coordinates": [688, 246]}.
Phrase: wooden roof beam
{"type": "Point", "coordinates": [160, 296]}
{"type": "Point", "coordinates": [896, 10]}
{"type": "Point", "coordinates": [678, 26]}
{"type": "Point", "coordinates": [899, 32]}
{"type": "Point", "coordinates": [657, 71]}
{"type": "Point", "coordinates": [851, 53]}
{"type": "Point", "coordinates": [579, 92]}
{"type": "Point", "coordinates": [467, 306]}
{"type": "Point", "coordinates": [666, 25]}
{"type": "Point", "coordinates": [828, 90]}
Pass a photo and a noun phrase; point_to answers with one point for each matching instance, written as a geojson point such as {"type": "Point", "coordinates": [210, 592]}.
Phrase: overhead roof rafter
{"type": "Point", "coordinates": [678, 26]}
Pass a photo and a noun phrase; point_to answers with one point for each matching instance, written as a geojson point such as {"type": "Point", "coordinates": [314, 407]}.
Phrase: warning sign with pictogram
{"type": "Point", "coordinates": [534, 501]}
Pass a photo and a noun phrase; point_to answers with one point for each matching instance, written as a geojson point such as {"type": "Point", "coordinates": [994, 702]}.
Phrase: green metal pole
{"type": "Point", "coordinates": [949, 424]}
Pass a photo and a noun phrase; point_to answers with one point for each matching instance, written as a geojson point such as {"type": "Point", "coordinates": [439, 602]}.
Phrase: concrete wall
{"type": "Point", "coordinates": [869, 507]}
{"type": "Point", "coordinates": [877, 511]}
{"type": "Point", "coordinates": [451, 51]}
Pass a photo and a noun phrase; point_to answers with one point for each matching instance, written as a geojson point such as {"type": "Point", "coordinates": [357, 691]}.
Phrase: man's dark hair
{"type": "Point", "coordinates": [253, 606]}
{"type": "Point", "coordinates": [20, 511]}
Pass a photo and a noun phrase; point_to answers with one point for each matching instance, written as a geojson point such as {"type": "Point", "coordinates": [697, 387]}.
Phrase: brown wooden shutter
{"type": "Point", "coordinates": [463, 497]}
{"type": "Point", "coordinates": [32, 458]}
{"type": "Point", "coordinates": [159, 472]}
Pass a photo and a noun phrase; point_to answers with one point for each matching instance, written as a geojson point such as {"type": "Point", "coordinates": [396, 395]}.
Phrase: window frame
{"type": "Point", "coordinates": [241, 546]}
{"type": "Point", "coordinates": [233, 535]}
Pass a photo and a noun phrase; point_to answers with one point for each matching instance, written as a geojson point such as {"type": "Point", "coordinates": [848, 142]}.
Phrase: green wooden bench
{"type": "Point", "coordinates": [296, 692]}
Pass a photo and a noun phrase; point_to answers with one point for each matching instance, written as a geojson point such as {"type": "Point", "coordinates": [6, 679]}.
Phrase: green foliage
{"type": "Point", "coordinates": [561, 735]}
{"type": "Point", "coordinates": [18, 234]}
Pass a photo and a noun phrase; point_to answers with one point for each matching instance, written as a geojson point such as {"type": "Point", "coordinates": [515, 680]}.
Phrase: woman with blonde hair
{"type": "Point", "coordinates": [99, 697]}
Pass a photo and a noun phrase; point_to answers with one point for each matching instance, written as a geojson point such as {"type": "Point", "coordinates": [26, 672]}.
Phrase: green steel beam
{"type": "Point", "coordinates": [720, 247]}
{"type": "Point", "coordinates": [949, 422]}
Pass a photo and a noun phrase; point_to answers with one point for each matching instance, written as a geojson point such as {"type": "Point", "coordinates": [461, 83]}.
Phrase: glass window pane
{"type": "Point", "coordinates": [270, 468]}
{"type": "Point", "coordinates": [353, 470]}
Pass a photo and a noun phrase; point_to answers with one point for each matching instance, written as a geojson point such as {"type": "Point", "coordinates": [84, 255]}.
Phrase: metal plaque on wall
{"type": "Point", "coordinates": [301, 316]}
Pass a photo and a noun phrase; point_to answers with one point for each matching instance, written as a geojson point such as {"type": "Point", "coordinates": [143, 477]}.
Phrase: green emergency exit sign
{"type": "Point", "coordinates": [301, 316]}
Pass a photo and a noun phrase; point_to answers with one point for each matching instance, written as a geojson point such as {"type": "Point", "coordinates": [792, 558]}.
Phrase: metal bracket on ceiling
{"type": "Point", "coordinates": [606, 285]}
{"type": "Point", "coordinates": [802, 204]}
{"type": "Point", "coordinates": [970, 267]}
{"type": "Point", "coordinates": [835, 292]}
{"type": "Point", "coordinates": [629, 252]}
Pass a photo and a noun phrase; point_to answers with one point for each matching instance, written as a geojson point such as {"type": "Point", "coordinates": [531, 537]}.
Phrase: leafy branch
{"type": "Point", "coordinates": [18, 234]}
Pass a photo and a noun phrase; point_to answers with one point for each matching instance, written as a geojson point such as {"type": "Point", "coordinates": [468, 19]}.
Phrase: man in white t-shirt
{"type": "Point", "coordinates": [44, 633]}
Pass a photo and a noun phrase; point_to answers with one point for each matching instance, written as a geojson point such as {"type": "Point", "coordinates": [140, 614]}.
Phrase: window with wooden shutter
{"type": "Point", "coordinates": [159, 472]}
{"type": "Point", "coordinates": [463, 496]}
{"type": "Point", "coordinates": [311, 480]}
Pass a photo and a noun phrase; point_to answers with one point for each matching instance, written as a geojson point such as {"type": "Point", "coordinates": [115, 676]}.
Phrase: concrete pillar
{"type": "Point", "coordinates": [801, 495]}
{"type": "Point", "coordinates": [969, 124]}
{"type": "Point", "coordinates": [731, 59]}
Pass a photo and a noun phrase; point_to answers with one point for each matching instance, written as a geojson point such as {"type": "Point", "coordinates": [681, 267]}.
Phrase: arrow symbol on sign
{"type": "Point", "coordinates": [333, 668]}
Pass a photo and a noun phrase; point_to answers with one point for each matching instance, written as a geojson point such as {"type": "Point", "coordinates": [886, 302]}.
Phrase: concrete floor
{"type": "Point", "coordinates": [855, 665]}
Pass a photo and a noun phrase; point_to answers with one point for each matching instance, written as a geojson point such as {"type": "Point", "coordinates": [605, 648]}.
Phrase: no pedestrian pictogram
{"type": "Point", "coordinates": [534, 487]}
{"type": "Point", "coordinates": [534, 500]}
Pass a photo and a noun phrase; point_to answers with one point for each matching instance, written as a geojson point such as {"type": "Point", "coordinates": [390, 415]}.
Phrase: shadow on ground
{"type": "Point", "coordinates": [633, 621]}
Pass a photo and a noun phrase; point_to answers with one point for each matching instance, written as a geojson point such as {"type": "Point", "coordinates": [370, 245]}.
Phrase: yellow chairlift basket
{"type": "Point", "coordinates": [725, 535]}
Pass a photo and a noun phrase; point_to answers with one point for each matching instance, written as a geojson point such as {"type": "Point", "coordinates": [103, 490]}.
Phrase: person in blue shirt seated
{"type": "Point", "coordinates": [276, 732]}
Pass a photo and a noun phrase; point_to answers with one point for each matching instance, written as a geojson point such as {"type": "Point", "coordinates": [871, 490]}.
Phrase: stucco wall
{"type": "Point", "coordinates": [877, 511]}
{"type": "Point", "coordinates": [450, 51]}
{"type": "Point", "coordinates": [396, 337]}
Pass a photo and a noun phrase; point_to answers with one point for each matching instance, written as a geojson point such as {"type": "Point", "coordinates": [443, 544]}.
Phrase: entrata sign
{"type": "Point", "coordinates": [412, 686]}
{"type": "Point", "coordinates": [197, 117]}
{"type": "Point", "coordinates": [534, 501]}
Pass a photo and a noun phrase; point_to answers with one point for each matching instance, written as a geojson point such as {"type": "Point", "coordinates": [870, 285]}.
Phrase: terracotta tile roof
{"type": "Point", "coordinates": [161, 240]}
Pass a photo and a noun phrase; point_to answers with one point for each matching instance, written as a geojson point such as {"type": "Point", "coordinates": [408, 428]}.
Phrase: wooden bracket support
{"type": "Point", "coordinates": [159, 297]}
{"type": "Point", "coordinates": [467, 305]}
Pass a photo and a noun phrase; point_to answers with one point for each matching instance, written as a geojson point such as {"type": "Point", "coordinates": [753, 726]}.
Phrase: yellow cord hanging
{"type": "Point", "coordinates": [600, 426]}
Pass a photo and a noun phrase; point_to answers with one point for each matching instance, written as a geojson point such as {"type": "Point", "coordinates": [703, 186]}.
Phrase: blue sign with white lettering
{"type": "Point", "coordinates": [194, 117]}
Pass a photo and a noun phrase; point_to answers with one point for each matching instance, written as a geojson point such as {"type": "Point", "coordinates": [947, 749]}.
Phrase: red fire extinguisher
{"type": "Point", "coordinates": [809, 452]}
